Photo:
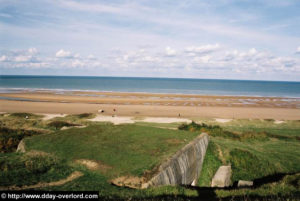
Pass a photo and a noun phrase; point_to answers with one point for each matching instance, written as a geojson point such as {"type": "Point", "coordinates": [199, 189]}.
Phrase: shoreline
{"type": "Point", "coordinates": [33, 90]}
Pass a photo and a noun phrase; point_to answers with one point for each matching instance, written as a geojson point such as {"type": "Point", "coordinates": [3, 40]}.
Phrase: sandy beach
{"type": "Point", "coordinates": [152, 105]}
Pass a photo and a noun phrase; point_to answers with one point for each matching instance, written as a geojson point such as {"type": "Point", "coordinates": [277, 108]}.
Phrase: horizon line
{"type": "Point", "coordinates": [147, 77]}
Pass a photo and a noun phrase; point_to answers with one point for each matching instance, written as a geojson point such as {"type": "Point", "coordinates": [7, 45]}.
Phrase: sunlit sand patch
{"type": "Point", "coordinates": [51, 116]}
{"type": "Point", "coordinates": [223, 120]}
{"type": "Point", "coordinates": [68, 127]}
{"type": "Point", "coordinates": [278, 122]}
{"type": "Point", "coordinates": [128, 181]}
{"type": "Point", "coordinates": [165, 120]}
{"type": "Point", "coordinates": [93, 165]}
{"type": "Point", "coordinates": [113, 119]}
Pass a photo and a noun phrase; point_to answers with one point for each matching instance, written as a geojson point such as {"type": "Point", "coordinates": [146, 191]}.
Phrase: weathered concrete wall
{"type": "Point", "coordinates": [184, 166]}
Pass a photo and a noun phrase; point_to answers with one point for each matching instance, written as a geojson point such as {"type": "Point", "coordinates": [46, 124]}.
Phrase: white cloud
{"type": "Point", "coordinates": [204, 59]}
{"type": "Point", "coordinates": [63, 54]}
{"type": "Point", "coordinates": [298, 50]}
{"type": "Point", "coordinates": [202, 49]}
{"type": "Point", "coordinates": [3, 58]}
{"type": "Point", "coordinates": [77, 63]}
{"type": "Point", "coordinates": [32, 51]}
{"type": "Point", "coordinates": [23, 58]}
{"type": "Point", "coordinates": [91, 57]}
{"type": "Point", "coordinates": [252, 51]}
{"type": "Point", "coordinates": [170, 52]}
{"type": "Point", "coordinates": [152, 62]}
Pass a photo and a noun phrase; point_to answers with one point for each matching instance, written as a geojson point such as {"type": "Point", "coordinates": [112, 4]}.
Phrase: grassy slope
{"type": "Point", "coordinates": [266, 155]}
{"type": "Point", "coordinates": [253, 158]}
{"type": "Point", "coordinates": [128, 149]}
{"type": "Point", "coordinates": [31, 168]}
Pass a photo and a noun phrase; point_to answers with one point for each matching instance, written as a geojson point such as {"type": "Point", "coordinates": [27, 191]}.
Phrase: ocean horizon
{"type": "Point", "coordinates": [223, 87]}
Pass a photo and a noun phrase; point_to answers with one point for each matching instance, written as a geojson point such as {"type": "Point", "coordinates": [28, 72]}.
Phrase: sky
{"type": "Point", "coordinates": [221, 39]}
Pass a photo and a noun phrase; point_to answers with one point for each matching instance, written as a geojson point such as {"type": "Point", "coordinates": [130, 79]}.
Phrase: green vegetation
{"type": "Point", "coordinates": [31, 168]}
{"type": "Point", "coordinates": [251, 154]}
{"type": "Point", "coordinates": [246, 166]}
{"type": "Point", "coordinates": [210, 166]}
{"type": "Point", "coordinates": [25, 115]}
{"type": "Point", "coordinates": [258, 150]}
{"type": "Point", "coordinates": [128, 149]}
{"type": "Point", "coordinates": [10, 138]}
{"type": "Point", "coordinates": [59, 124]}
{"type": "Point", "coordinates": [285, 189]}
{"type": "Point", "coordinates": [84, 115]}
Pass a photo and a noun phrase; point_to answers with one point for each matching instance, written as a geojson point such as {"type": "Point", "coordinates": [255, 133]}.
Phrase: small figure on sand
{"type": "Point", "coordinates": [179, 114]}
{"type": "Point", "coordinates": [114, 112]}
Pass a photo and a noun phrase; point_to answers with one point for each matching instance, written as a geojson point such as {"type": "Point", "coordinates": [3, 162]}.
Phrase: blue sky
{"type": "Point", "coordinates": [223, 39]}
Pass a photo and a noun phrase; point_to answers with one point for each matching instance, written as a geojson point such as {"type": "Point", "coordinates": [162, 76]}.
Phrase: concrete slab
{"type": "Point", "coordinates": [222, 177]}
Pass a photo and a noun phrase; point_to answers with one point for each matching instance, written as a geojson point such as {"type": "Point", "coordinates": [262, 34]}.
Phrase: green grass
{"type": "Point", "coordinates": [288, 128]}
{"type": "Point", "coordinates": [254, 149]}
{"type": "Point", "coordinates": [95, 181]}
{"type": "Point", "coordinates": [31, 168]}
{"type": "Point", "coordinates": [59, 124]}
{"type": "Point", "coordinates": [211, 164]}
{"type": "Point", "coordinates": [10, 138]}
{"type": "Point", "coordinates": [251, 154]}
{"type": "Point", "coordinates": [128, 149]}
{"type": "Point", "coordinates": [288, 188]}
{"type": "Point", "coordinates": [25, 115]}
{"type": "Point", "coordinates": [272, 156]}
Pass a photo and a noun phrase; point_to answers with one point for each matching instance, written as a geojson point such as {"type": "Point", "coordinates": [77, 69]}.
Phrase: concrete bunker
{"type": "Point", "coordinates": [184, 167]}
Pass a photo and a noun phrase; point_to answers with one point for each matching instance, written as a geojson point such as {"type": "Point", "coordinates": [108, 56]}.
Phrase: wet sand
{"type": "Point", "coordinates": [152, 105]}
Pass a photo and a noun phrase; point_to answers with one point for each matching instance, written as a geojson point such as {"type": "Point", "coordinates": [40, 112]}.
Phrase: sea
{"type": "Point", "coordinates": [11, 83]}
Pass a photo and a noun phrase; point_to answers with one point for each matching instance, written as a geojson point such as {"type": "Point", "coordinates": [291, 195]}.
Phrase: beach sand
{"type": "Point", "coordinates": [153, 105]}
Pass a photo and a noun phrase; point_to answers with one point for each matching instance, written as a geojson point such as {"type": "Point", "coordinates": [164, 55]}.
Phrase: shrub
{"type": "Point", "coordinates": [30, 168]}
{"type": "Point", "coordinates": [10, 138]}
{"type": "Point", "coordinates": [59, 124]}
{"type": "Point", "coordinates": [85, 115]}
{"type": "Point", "coordinates": [213, 130]}
{"type": "Point", "coordinates": [24, 115]}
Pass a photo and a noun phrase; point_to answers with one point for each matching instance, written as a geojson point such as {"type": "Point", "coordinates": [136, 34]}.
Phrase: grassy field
{"type": "Point", "coordinates": [126, 149]}
{"type": "Point", "coordinates": [258, 150]}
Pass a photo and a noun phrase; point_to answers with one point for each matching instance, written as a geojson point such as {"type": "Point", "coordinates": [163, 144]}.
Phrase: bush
{"type": "Point", "coordinates": [24, 115]}
{"type": "Point", "coordinates": [59, 124]}
{"type": "Point", "coordinates": [10, 138]}
{"type": "Point", "coordinates": [217, 131]}
{"type": "Point", "coordinates": [213, 130]}
{"type": "Point", "coordinates": [84, 115]}
{"type": "Point", "coordinates": [30, 168]}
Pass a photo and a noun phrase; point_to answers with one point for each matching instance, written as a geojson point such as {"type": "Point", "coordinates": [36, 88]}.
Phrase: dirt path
{"type": "Point", "coordinates": [71, 177]}
{"type": "Point", "coordinates": [221, 156]}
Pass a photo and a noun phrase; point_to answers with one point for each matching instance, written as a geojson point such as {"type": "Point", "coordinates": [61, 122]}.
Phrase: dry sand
{"type": "Point", "coordinates": [223, 120]}
{"type": "Point", "coordinates": [129, 105]}
{"type": "Point", "coordinates": [116, 120]}
{"type": "Point", "coordinates": [278, 122]}
{"type": "Point", "coordinates": [165, 120]}
{"type": "Point", "coordinates": [113, 119]}
{"type": "Point", "coordinates": [51, 116]}
{"type": "Point", "coordinates": [152, 111]}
